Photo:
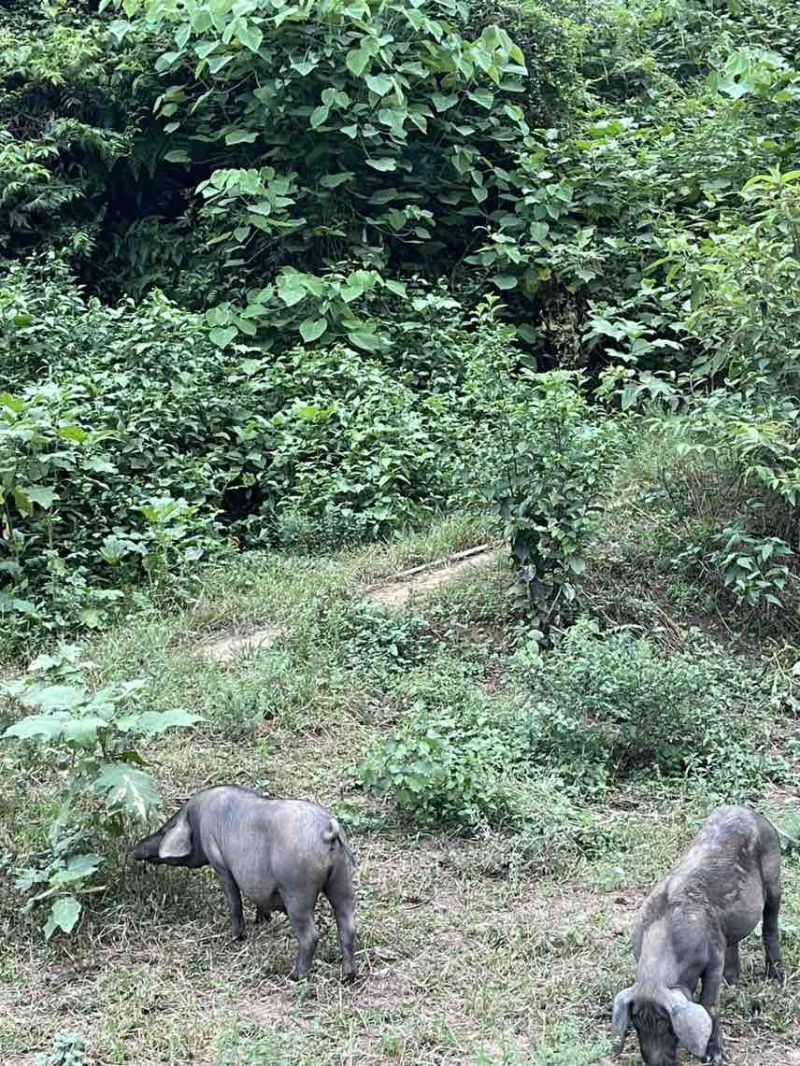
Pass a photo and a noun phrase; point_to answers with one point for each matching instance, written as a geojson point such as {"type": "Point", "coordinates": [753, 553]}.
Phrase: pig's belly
{"type": "Point", "coordinates": [741, 921]}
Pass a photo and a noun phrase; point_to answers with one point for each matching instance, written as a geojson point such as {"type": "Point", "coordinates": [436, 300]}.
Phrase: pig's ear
{"type": "Point", "coordinates": [621, 1018]}
{"type": "Point", "coordinates": [176, 843]}
{"type": "Point", "coordinates": [691, 1023]}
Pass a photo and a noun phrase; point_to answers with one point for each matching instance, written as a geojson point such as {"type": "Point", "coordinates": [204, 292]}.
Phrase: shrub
{"type": "Point", "coordinates": [68, 1049]}
{"type": "Point", "coordinates": [600, 711]}
{"type": "Point", "coordinates": [607, 708]}
{"type": "Point", "coordinates": [84, 738]}
{"type": "Point", "coordinates": [340, 128]}
{"type": "Point", "coordinates": [383, 644]}
{"type": "Point", "coordinates": [131, 446]}
{"type": "Point", "coordinates": [553, 460]}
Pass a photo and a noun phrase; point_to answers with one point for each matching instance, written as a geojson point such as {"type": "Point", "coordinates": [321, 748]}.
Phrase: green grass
{"type": "Point", "coordinates": [471, 952]}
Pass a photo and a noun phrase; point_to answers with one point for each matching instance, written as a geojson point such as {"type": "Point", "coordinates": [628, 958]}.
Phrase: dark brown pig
{"type": "Point", "coordinates": [280, 854]}
{"type": "Point", "coordinates": [688, 931]}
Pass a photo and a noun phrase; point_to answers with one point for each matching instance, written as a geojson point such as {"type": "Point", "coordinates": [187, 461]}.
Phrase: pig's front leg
{"type": "Point", "coordinates": [234, 898]}
{"type": "Point", "coordinates": [733, 967]}
{"type": "Point", "coordinates": [709, 997]}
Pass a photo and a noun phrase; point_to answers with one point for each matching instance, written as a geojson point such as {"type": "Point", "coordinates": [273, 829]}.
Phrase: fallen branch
{"type": "Point", "coordinates": [437, 564]}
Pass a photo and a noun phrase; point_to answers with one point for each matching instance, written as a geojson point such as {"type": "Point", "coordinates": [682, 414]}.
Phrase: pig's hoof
{"type": "Point", "coordinates": [238, 934]}
{"type": "Point", "coordinates": [349, 976]}
{"type": "Point", "coordinates": [775, 973]}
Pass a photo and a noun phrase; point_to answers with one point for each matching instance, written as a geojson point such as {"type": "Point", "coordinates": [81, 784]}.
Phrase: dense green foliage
{"type": "Point", "coordinates": [320, 194]}
{"type": "Point", "coordinates": [591, 715]}
{"type": "Point", "coordinates": [87, 735]}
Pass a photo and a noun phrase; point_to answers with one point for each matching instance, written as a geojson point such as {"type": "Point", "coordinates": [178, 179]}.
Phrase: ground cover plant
{"type": "Point", "coordinates": [399, 408]}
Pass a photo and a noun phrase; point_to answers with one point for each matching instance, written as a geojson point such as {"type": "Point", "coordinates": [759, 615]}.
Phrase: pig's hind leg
{"type": "Point", "coordinates": [234, 898]}
{"type": "Point", "coordinates": [770, 934]}
{"type": "Point", "coordinates": [300, 908]}
{"type": "Point", "coordinates": [339, 890]}
{"type": "Point", "coordinates": [709, 997]}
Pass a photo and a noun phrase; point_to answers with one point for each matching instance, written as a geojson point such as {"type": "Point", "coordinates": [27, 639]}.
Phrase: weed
{"type": "Point", "coordinates": [69, 1049]}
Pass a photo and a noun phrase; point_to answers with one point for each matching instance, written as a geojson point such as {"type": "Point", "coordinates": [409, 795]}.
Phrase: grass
{"type": "Point", "coordinates": [470, 954]}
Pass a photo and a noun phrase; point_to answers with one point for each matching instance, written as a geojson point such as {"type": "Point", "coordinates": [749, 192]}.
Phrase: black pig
{"type": "Point", "coordinates": [280, 854]}
{"type": "Point", "coordinates": [689, 929]}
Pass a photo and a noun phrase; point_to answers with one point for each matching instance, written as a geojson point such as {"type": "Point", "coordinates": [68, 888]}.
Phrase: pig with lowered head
{"type": "Point", "coordinates": [688, 931]}
{"type": "Point", "coordinates": [278, 853]}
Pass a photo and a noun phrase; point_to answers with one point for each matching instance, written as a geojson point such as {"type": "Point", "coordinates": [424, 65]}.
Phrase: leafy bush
{"type": "Point", "coordinates": [142, 448]}
{"type": "Point", "coordinates": [554, 469]}
{"type": "Point", "coordinates": [377, 642]}
{"type": "Point", "coordinates": [85, 738]}
{"type": "Point", "coordinates": [341, 128]}
{"type": "Point", "coordinates": [600, 710]}
{"type": "Point", "coordinates": [608, 708]}
{"type": "Point", "coordinates": [68, 1049]}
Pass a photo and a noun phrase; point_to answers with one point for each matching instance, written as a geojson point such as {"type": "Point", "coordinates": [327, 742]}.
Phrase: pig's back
{"type": "Point", "coordinates": [284, 845]}
{"type": "Point", "coordinates": [723, 871]}
{"type": "Point", "coordinates": [733, 839]}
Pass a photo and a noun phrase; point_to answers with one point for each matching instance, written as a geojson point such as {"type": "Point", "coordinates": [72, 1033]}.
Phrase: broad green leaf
{"type": "Point", "coordinates": [304, 66]}
{"type": "Point", "coordinates": [484, 97]}
{"type": "Point", "coordinates": [78, 867]}
{"type": "Point", "coordinates": [290, 295]}
{"type": "Point", "coordinates": [505, 281]}
{"type": "Point", "coordinates": [356, 61]}
{"type": "Point", "coordinates": [385, 164]}
{"type": "Point", "coordinates": [250, 36]}
{"type": "Point", "coordinates": [44, 497]}
{"type": "Point", "coordinates": [126, 788]}
{"type": "Point", "coordinates": [73, 433]}
{"type": "Point", "coordinates": [154, 723]}
{"type": "Point", "coordinates": [318, 116]}
{"type": "Point", "coordinates": [444, 103]}
{"type": "Point", "coordinates": [54, 697]}
{"type": "Point", "coordinates": [313, 328]}
{"type": "Point", "coordinates": [223, 335]}
{"type": "Point", "coordinates": [119, 29]}
{"type": "Point", "coordinates": [359, 282]}
{"type": "Point", "coordinates": [82, 732]}
{"type": "Point", "coordinates": [368, 341]}
{"type": "Point", "coordinates": [13, 403]}
{"type": "Point", "coordinates": [333, 181]}
{"type": "Point", "coordinates": [397, 287]}
{"type": "Point", "coordinates": [379, 83]}
{"type": "Point", "coordinates": [64, 915]}
{"type": "Point", "coordinates": [241, 137]}
{"type": "Point", "coordinates": [47, 726]}
{"type": "Point", "coordinates": [216, 64]}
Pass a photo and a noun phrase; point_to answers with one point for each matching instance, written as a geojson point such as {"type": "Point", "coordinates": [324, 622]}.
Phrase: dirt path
{"type": "Point", "coordinates": [226, 647]}
{"type": "Point", "coordinates": [394, 594]}
{"type": "Point", "coordinates": [421, 581]}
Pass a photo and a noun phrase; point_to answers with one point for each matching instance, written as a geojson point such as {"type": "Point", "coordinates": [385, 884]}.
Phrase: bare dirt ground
{"type": "Point", "coordinates": [425, 580]}
{"type": "Point", "coordinates": [225, 647]}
